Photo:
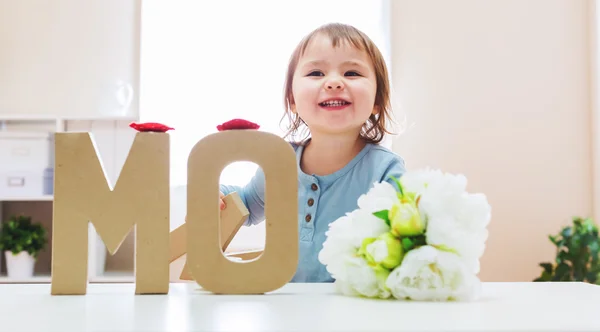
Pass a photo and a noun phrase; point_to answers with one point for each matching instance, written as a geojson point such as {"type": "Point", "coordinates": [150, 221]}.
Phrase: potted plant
{"type": "Point", "coordinates": [21, 241]}
{"type": "Point", "coordinates": [577, 254]}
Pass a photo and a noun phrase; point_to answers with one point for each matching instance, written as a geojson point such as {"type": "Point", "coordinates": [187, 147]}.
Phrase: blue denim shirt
{"type": "Point", "coordinates": [323, 199]}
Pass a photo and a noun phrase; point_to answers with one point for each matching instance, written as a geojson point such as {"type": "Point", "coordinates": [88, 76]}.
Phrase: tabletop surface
{"type": "Point", "coordinates": [297, 307]}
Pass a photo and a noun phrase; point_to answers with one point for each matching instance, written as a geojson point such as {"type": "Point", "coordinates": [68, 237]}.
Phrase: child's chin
{"type": "Point", "coordinates": [338, 128]}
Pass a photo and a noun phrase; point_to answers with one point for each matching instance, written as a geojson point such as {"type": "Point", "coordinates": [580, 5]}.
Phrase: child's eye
{"type": "Point", "coordinates": [315, 73]}
{"type": "Point", "coordinates": [352, 73]}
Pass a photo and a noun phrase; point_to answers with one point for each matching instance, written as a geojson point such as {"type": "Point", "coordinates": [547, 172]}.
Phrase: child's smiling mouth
{"type": "Point", "coordinates": [334, 104]}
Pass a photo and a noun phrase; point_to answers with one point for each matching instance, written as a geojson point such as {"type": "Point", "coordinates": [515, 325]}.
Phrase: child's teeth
{"type": "Point", "coordinates": [334, 103]}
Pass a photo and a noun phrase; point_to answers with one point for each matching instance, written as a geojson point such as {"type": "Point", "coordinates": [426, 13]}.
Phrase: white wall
{"type": "Point", "coordinates": [499, 90]}
{"type": "Point", "coordinates": [72, 59]}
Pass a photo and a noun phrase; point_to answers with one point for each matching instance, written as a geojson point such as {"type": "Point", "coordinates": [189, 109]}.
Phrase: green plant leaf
{"type": "Point", "coordinates": [383, 214]}
{"type": "Point", "coordinates": [566, 232]}
{"type": "Point", "coordinates": [407, 244]}
{"type": "Point", "coordinates": [562, 256]}
{"type": "Point", "coordinates": [577, 253]}
{"type": "Point", "coordinates": [20, 234]}
{"type": "Point", "coordinates": [592, 277]}
{"type": "Point", "coordinates": [548, 267]}
{"type": "Point", "coordinates": [594, 248]}
{"type": "Point", "coordinates": [420, 240]}
{"type": "Point", "coordinates": [546, 276]}
{"type": "Point", "coordinates": [562, 272]}
{"type": "Point", "coordinates": [400, 189]}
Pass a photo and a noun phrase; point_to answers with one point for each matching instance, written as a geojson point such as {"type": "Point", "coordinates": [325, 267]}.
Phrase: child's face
{"type": "Point", "coordinates": [334, 88]}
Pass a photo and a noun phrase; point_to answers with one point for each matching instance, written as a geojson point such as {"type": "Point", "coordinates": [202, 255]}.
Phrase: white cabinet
{"type": "Point", "coordinates": [24, 160]}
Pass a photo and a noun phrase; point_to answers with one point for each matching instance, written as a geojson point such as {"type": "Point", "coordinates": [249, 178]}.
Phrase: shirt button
{"type": "Point", "coordinates": [314, 187]}
{"type": "Point", "coordinates": [308, 218]}
{"type": "Point", "coordinates": [311, 202]}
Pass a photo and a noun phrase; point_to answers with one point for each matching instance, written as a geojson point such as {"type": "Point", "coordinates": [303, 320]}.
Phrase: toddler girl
{"type": "Point", "coordinates": [337, 95]}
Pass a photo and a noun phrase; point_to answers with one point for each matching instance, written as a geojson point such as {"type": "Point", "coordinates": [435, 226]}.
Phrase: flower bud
{"type": "Point", "coordinates": [384, 251]}
{"type": "Point", "coordinates": [405, 219]}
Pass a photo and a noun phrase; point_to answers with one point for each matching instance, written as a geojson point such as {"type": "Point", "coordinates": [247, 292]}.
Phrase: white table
{"type": "Point", "coordinates": [297, 307]}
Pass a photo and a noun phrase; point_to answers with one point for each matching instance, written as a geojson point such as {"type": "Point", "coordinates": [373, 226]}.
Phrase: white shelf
{"type": "Point", "coordinates": [43, 198]}
{"type": "Point", "coordinates": [108, 277]}
{"type": "Point", "coordinates": [44, 117]}
{"type": "Point", "coordinates": [41, 279]}
{"type": "Point", "coordinates": [23, 134]}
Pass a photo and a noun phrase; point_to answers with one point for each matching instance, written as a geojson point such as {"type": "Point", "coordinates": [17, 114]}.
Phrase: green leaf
{"type": "Point", "coordinates": [594, 248]}
{"type": "Point", "coordinates": [592, 277]}
{"type": "Point", "coordinates": [420, 240]}
{"type": "Point", "coordinates": [562, 271]}
{"type": "Point", "coordinates": [546, 276]}
{"type": "Point", "coordinates": [407, 244]}
{"type": "Point", "coordinates": [562, 256]}
{"type": "Point", "coordinates": [566, 232]}
{"type": "Point", "coordinates": [575, 245]}
{"type": "Point", "coordinates": [400, 189]}
{"type": "Point", "coordinates": [383, 214]}
{"type": "Point", "coordinates": [548, 267]}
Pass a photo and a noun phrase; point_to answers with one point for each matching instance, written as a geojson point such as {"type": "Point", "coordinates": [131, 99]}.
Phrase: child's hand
{"type": "Point", "coordinates": [221, 202]}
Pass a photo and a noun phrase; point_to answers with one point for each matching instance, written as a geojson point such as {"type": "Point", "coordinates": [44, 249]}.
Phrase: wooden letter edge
{"type": "Point", "coordinates": [232, 219]}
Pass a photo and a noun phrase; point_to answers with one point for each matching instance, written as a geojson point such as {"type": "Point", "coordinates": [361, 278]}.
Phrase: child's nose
{"type": "Point", "coordinates": [334, 84]}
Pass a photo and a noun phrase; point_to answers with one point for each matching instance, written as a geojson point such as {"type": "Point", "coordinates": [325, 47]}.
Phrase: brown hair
{"type": "Point", "coordinates": [374, 129]}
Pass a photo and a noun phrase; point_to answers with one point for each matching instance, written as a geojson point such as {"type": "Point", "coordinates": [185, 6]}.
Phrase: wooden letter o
{"type": "Point", "coordinates": [277, 265]}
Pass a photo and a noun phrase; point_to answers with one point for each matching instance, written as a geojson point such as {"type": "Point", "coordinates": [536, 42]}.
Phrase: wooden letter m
{"type": "Point", "coordinates": [140, 198]}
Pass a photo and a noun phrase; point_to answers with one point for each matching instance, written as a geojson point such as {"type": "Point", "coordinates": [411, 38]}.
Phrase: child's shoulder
{"type": "Point", "coordinates": [383, 162]}
{"type": "Point", "coordinates": [380, 154]}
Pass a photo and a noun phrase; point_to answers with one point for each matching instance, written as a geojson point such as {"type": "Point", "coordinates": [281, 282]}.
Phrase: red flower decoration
{"type": "Point", "coordinates": [237, 124]}
{"type": "Point", "coordinates": [150, 126]}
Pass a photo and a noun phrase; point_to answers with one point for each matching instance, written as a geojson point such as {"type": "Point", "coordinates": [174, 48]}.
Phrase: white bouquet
{"type": "Point", "coordinates": [421, 241]}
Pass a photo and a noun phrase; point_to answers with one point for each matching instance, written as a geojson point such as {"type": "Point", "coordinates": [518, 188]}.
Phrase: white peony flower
{"type": "Point", "coordinates": [474, 211]}
{"type": "Point", "coordinates": [380, 197]}
{"type": "Point", "coordinates": [455, 219]}
{"type": "Point", "coordinates": [448, 233]}
{"type": "Point", "coordinates": [361, 249]}
{"type": "Point", "coordinates": [365, 224]}
{"type": "Point", "coordinates": [461, 225]}
{"type": "Point", "coordinates": [384, 251]}
{"type": "Point", "coordinates": [345, 237]}
{"type": "Point", "coordinates": [420, 180]}
{"type": "Point", "coordinates": [428, 274]}
{"type": "Point", "coordinates": [339, 245]}
{"type": "Point", "coordinates": [378, 249]}
{"type": "Point", "coordinates": [363, 280]}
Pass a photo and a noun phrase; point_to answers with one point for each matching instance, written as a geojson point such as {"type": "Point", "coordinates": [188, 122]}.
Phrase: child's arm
{"type": "Point", "coordinates": [252, 195]}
